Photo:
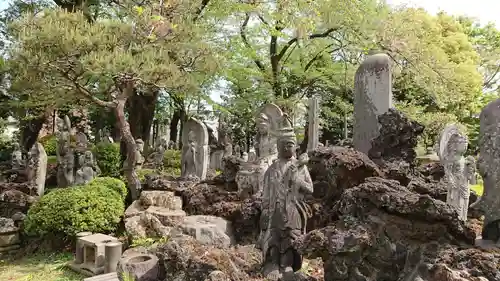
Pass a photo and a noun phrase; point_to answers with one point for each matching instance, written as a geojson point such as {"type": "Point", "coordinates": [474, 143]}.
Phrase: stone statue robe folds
{"type": "Point", "coordinates": [283, 218]}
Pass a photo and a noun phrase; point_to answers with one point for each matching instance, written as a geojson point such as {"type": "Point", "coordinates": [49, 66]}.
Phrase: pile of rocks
{"type": "Point", "coordinates": [9, 236]}
{"type": "Point", "coordinates": [160, 214]}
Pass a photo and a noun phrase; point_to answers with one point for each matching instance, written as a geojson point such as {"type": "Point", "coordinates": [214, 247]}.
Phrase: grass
{"type": "Point", "coordinates": [40, 267]}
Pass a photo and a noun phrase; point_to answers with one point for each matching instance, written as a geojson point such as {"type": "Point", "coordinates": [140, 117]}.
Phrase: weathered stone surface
{"type": "Point", "coordinates": [195, 151]}
{"type": "Point", "coordinates": [162, 199]}
{"type": "Point", "coordinates": [387, 232]}
{"type": "Point", "coordinates": [186, 259]}
{"type": "Point", "coordinates": [166, 216]}
{"type": "Point", "coordinates": [216, 200]}
{"type": "Point", "coordinates": [230, 167]}
{"type": "Point", "coordinates": [209, 230]}
{"type": "Point", "coordinates": [146, 225]}
{"type": "Point", "coordinates": [142, 267]}
{"type": "Point", "coordinates": [372, 98]}
{"type": "Point", "coordinates": [489, 168]}
{"type": "Point", "coordinates": [394, 148]}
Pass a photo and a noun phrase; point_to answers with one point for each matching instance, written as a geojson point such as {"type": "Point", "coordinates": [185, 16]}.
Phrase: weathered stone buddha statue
{"type": "Point", "coordinates": [284, 212]}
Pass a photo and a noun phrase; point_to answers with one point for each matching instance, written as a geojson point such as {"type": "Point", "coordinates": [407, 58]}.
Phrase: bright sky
{"type": "Point", "coordinates": [484, 10]}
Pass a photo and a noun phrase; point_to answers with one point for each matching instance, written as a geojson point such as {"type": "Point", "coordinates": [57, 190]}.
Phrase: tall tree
{"type": "Point", "coordinates": [108, 61]}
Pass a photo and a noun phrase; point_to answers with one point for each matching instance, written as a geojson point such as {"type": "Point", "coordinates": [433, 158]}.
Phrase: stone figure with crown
{"type": "Point", "coordinates": [284, 212]}
{"type": "Point", "coordinates": [65, 153]}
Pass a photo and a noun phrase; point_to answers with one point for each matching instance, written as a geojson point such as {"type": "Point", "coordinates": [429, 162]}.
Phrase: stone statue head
{"type": "Point", "coordinates": [16, 146]}
{"type": "Point", "coordinates": [89, 157]}
{"type": "Point", "coordinates": [191, 137]}
{"type": "Point", "coordinates": [140, 145]}
{"type": "Point", "coordinates": [287, 142]}
{"type": "Point", "coordinates": [453, 143]}
{"type": "Point", "coordinates": [66, 123]}
{"type": "Point", "coordinates": [263, 123]}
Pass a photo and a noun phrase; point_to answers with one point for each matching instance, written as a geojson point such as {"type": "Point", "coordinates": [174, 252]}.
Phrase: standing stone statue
{"type": "Point", "coordinates": [372, 98]}
{"type": "Point", "coordinates": [81, 146]}
{"type": "Point", "coordinates": [245, 157]}
{"type": "Point", "coordinates": [189, 157]}
{"type": "Point", "coordinates": [489, 168]}
{"type": "Point", "coordinates": [470, 168]}
{"type": "Point", "coordinates": [452, 146]}
{"type": "Point", "coordinates": [237, 151]}
{"type": "Point", "coordinates": [65, 155]}
{"type": "Point", "coordinates": [267, 122]}
{"type": "Point", "coordinates": [284, 212]}
{"type": "Point", "coordinates": [195, 152]}
{"type": "Point", "coordinates": [252, 155]}
{"type": "Point", "coordinates": [88, 169]}
{"type": "Point", "coordinates": [17, 158]}
{"type": "Point", "coordinates": [228, 149]}
{"type": "Point", "coordinates": [38, 159]}
{"type": "Point", "coordinates": [160, 153]}
{"type": "Point", "coordinates": [139, 151]}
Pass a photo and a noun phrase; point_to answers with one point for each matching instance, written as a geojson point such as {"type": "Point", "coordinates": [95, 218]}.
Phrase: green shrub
{"type": "Point", "coordinates": [108, 159]}
{"type": "Point", "coordinates": [49, 143]}
{"type": "Point", "coordinates": [75, 209]}
{"type": "Point", "coordinates": [6, 149]}
{"type": "Point", "coordinates": [115, 184]}
{"type": "Point", "coordinates": [172, 159]}
{"type": "Point", "coordinates": [141, 173]}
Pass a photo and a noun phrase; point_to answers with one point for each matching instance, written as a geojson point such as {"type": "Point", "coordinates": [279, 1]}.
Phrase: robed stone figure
{"type": "Point", "coordinates": [284, 212]}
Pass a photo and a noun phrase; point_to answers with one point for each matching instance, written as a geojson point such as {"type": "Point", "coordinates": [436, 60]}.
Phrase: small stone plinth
{"type": "Point", "coordinates": [92, 259]}
{"type": "Point", "coordinates": [9, 236]}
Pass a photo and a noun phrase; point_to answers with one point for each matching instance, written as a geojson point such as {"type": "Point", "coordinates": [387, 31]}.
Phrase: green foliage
{"type": "Point", "coordinates": [71, 210]}
{"type": "Point", "coordinates": [141, 173]}
{"type": "Point", "coordinates": [49, 143]}
{"type": "Point", "coordinates": [478, 188]}
{"type": "Point", "coordinates": [6, 149]}
{"type": "Point", "coordinates": [108, 159]}
{"type": "Point", "coordinates": [114, 184]}
{"type": "Point", "coordinates": [172, 159]}
{"type": "Point", "coordinates": [149, 241]}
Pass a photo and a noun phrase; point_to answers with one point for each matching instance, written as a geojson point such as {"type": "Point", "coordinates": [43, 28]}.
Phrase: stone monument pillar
{"type": "Point", "coordinates": [372, 97]}
{"type": "Point", "coordinates": [313, 130]}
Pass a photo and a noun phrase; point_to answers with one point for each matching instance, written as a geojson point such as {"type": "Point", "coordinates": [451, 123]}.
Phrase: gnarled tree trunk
{"type": "Point", "coordinates": [129, 166]}
{"type": "Point", "coordinates": [141, 111]}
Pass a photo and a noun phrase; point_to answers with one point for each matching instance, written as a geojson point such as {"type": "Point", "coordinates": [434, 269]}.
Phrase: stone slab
{"type": "Point", "coordinates": [104, 277]}
{"type": "Point", "coordinates": [9, 239]}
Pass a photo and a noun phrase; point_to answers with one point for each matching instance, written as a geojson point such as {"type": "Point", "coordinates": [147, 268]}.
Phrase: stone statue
{"type": "Point", "coordinates": [195, 151]}
{"type": "Point", "coordinates": [189, 157]}
{"type": "Point", "coordinates": [284, 212]}
{"type": "Point", "coordinates": [237, 151]}
{"type": "Point", "coordinates": [228, 149]}
{"type": "Point", "coordinates": [488, 165]}
{"type": "Point", "coordinates": [37, 163]}
{"type": "Point", "coordinates": [267, 122]}
{"type": "Point", "coordinates": [107, 137]}
{"type": "Point", "coordinates": [171, 145]}
{"type": "Point", "coordinates": [470, 167]}
{"type": "Point", "coordinates": [17, 158]}
{"type": "Point", "coordinates": [88, 169]}
{"type": "Point", "coordinates": [160, 153]}
{"type": "Point", "coordinates": [245, 157]}
{"type": "Point", "coordinates": [139, 151]}
{"type": "Point", "coordinates": [65, 155]}
{"type": "Point", "coordinates": [452, 146]}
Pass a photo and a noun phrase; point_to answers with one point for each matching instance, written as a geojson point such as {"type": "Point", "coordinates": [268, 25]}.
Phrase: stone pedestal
{"type": "Point", "coordinates": [91, 254]}
{"type": "Point", "coordinates": [79, 247]}
{"type": "Point", "coordinates": [9, 236]}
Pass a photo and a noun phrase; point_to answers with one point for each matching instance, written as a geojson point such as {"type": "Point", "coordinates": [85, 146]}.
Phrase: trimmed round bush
{"type": "Point", "coordinates": [114, 184]}
{"type": "Point", "coordinates": [49, 143]}
{"type": "Point", "coordinates": [108, 159]}
{"type": "Point", "coordinates": [75, 209]}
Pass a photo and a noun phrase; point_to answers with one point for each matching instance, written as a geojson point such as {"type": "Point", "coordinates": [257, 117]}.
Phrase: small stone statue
{"type": "Point", "coordinates": [140, 150]}
{"type": "Point", "coordinates": [252, 155]}
{"type": "Point", "coordinates": [65, 155]}
{"type": "Point", "coordinates": [17, 158]}
{"type": "Point", "coordinates": [284, 212]}
{"type": "Point", "coordinates": [245, 157]}
{"type": "Point", "coordinates": [237, 151]}
{"type": "Point", "coordinates": [189, 157]}
{"type": "Point", "coordinates": [159, 154]}
{"type": "Point", "coordinates": [88, 170]}
{"type": "Point", "coordinates": [107, 137]}
{"type": "Point", "coordinates": [171, 145]}
{"type": "Point", "coordinates": [470, 167]}
{"type": "Point", "coordinates": [228, 149]}
{"type": "Point", "coordinates": [452, 146]}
